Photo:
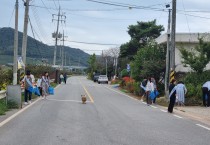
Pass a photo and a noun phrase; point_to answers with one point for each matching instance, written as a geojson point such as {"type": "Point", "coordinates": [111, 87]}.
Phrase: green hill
{"type": "Point", "coordinates": [37, 50]}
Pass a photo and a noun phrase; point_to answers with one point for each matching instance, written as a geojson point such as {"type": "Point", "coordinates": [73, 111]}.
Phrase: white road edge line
{"type": "Point", "coordinates": [163, 110]}
{"type": "Point", "coordinates": [21, 111]}
{"type": "Point", "coordinates": [203, 126]}
{"type": "Point", "coordinates": [178, 116]}
{"type": "Point", "coordinates": [144, 103]}
{"type": "Point", "coordinates": [153, 106]}
{"type": "Point", "coordinates": [121, 93]}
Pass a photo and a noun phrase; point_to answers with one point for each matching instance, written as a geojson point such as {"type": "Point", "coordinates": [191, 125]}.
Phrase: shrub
{"type": "Point", "coordinates": [136, 88]}
{"type": "Point", "coordinates": [130, 87]}
{"type": "Point", "coordinates": [116, 81]}
{"type": "Point", "coordinates": [37, 70]}
{"type": "Point", "coordinates": [194, 82]}
{"type": "Point", "coordinates": [5, 78]}
{"type": "Point", "coordinates": [124, 73]}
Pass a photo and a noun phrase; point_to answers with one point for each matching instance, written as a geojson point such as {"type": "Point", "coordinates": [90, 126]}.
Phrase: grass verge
{"type": "Point", "coordinates": [4, 108]}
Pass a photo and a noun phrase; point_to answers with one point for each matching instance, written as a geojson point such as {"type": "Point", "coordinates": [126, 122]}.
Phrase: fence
{"type": "Point", "coordinates": [2, 94]}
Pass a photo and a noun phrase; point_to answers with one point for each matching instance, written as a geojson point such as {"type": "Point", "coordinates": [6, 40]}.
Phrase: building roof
{"type": "Point", "coordinates": [185, 38]}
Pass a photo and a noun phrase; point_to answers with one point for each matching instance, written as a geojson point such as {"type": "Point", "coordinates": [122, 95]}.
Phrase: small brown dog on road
{"type": "Point", "coordinates": [84, 99]}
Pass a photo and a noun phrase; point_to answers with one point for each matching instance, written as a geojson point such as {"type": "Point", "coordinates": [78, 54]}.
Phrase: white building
{"type": "Point", "coordinates": [187, 41]}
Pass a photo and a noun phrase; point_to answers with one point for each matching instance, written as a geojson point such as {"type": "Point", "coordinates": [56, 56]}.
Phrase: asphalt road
{"type": "Point", "coordinates": [109, 118]}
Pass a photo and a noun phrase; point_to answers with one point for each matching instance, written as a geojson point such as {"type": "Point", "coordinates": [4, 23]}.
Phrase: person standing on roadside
{"type": "Point", "coordinates": [39, 84]}
{"type": "Point", "coordinates": [206, 94]}
{"type": "Point", "coordinates": [65, 77]}
{"type": "Point", "coordinates": [172, 96]}
{"type": "Point", "coordinates": [45, 85]}
{"type": "Point", "coordinates": [149, 89]}
{"type": "Point", "coordinates": [28, 83]}
{"type": "Point", "coordinates": [181, 90]}
{"type": "Point", "coordinates": [61, 78]}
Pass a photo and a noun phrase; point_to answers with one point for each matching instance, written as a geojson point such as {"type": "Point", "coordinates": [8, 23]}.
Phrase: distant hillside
{"type": "Point", "coordinates": [36, 50]}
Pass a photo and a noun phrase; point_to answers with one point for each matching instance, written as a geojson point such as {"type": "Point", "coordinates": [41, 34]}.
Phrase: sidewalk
{"type": "Point", "coordinates": [198, 113]}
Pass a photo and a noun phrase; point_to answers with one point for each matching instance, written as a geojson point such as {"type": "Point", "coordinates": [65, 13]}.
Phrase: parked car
{"type": "Point", "coordinates": [103, 79]}
{"type": "Point", "coordinates": [95, 77]}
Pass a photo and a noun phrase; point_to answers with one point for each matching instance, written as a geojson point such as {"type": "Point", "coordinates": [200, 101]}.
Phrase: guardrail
{"type": "Point", "coordinates": [3, 94]}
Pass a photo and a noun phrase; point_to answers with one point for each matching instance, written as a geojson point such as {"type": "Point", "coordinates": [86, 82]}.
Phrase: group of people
{"type": "Point", "coordinates": [177, 94]}
{"type": "Point", "coordinates": [43, 83]}
{"type": "Point", "coordinates": [149, 86]}
{"type": "Point", "coordinates": [63, 78]}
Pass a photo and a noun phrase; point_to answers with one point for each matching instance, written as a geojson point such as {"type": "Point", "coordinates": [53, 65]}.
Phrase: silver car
{"type": "Point", "coordinates": [103, 79]}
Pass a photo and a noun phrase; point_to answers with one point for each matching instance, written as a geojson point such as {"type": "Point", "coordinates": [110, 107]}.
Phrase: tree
{"type": "Point", "coordinates": [198, 57]}
{"type": "Point", "coordinates": [142, 31]}
{"type": "Point", "coordinates": [149, 61]}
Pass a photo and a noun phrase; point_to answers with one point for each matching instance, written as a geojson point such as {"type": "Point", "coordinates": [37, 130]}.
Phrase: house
{"type": "Point", "coordinates": [187, 41]}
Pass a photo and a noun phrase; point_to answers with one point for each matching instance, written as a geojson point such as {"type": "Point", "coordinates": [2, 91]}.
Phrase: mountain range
{"type": "Point", "coordinates": [37, 51]}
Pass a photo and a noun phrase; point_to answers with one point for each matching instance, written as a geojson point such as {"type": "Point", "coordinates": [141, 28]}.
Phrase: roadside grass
{"type": "Point", "coordinates": [124, 90]}
{"type": "Point", "coordinates": [4, 108]}
{"type": "Point", "coordinates": [53, 84]}
{"type": "Point", "coordinates": [162, 101]}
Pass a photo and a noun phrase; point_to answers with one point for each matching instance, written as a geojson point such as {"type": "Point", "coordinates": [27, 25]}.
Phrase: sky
{"type": "Point", "coordinates": [91, 22]}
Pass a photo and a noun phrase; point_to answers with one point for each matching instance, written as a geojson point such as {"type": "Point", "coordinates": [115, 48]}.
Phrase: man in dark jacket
{"type": "Point", "coordinates": [172, 95]}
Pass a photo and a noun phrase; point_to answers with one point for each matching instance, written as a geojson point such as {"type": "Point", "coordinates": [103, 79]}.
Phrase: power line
{"type": "Point", "coordinates": [127, 6]}
{"type": "Point", "coordinates": [46, 7]}
{"type": "Point", "coordinates": [92, 43]}
{"type": "Point", "coordinates": [55, 4]}
{"type": "Point", "coordinates": [34, 37]}
{"type": "Point", "coordinates": [39, 24]}
{"type": "Point", "coordinates": [187, 20]}
{"type": "Point", "coordinates": [11, 16]}
{"type": "Point", "coordinates": [79, 9]}
{"type": "Point", "coordinates": [202, 17]}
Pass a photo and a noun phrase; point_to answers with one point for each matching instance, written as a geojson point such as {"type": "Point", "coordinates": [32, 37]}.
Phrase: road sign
{"type": "Point", "coordinates": [128, 67]}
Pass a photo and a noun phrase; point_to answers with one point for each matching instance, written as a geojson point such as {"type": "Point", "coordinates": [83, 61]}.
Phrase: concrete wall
{"type": "Point", "coordinates": [187, 41]}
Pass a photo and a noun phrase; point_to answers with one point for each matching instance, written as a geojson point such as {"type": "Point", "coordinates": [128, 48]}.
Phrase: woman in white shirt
{"type": "Point", "coordinates": [149, 89]}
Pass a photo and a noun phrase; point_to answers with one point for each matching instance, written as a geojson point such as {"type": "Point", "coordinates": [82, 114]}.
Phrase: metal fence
{"type": "Point", "coordinates": [3, 94]}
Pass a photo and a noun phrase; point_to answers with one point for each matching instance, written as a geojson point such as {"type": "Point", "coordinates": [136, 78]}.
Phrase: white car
{"type": "Point", "coordinates": [103, 79]}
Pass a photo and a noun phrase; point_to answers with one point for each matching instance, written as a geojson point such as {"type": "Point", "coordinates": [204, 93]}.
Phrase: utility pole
{"type": "Point", "coordinates": [25, 30]}
{"type": "Point", "coordinates": [56, 35]}
{"type": "Point", "coordinates": [173, 36]}
{"type": "Point", "coordinates": [116, 63]}
{"type": "Point", "coordinates": [62, 51]}
{"type": "Point", "coordinates": [15, 45]}
{"type": "Point", "coordinates": [65, 59]}
{"type": "Point", "coordinates": [168, 50]}
{"type": "Point", "coordinates": [106, 67]}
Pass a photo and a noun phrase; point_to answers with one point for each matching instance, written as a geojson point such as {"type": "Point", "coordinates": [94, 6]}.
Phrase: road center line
{"type": "Point", "coordinates": [203, 126]}
{"type": "Point", "coordinates": [178, 116]}
{"type": "Point", "coordinates": [90, 97]}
